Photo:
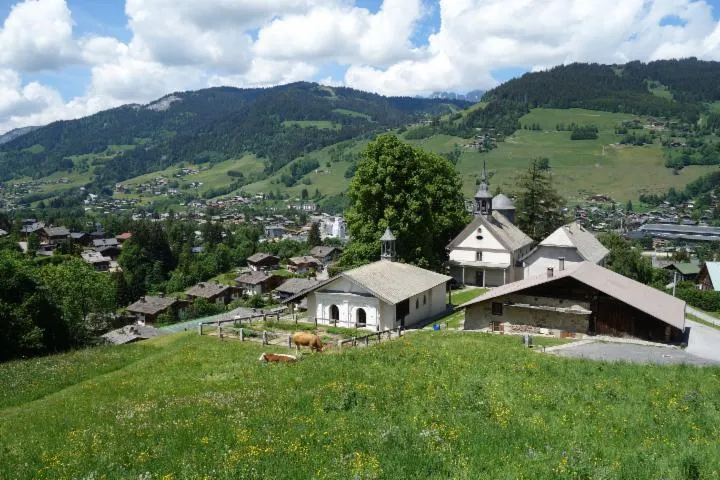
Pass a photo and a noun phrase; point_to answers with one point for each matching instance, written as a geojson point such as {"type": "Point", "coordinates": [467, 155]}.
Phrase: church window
{"type": "Point", "coordinates": [478, 256]}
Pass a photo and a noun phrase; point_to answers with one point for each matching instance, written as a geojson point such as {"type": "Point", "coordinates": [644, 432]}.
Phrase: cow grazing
{"type": "Point", "coordinates": [277, 357]}
{"type": "Point", "coordinates": [303, 339]}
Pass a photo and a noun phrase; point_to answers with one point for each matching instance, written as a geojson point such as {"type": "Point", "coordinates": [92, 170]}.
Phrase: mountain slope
{"type": "Point", "coordinates": [619, 88]}
{"type": "Point", "coordinates": [278, 124]}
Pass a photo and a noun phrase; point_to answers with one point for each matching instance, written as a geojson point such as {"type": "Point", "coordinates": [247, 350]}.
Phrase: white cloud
{"type": "Point", "coordinates": [37, 35]}
{"type": "Point", "coordinates": [184, 44]}
{"type": "Point", "coordinates": [343, 33]}
{"type": "Point", "coordinates": [479, 36]}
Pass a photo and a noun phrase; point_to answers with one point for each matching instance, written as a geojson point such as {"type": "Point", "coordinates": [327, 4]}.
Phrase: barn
{"type": "Point", "coordinates": [586, 299]}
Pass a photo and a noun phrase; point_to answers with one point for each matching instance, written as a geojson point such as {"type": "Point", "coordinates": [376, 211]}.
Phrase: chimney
{"type": "Point", "coordinates": [143, 300]}
{"type": "Point", "coordinates": [161, 295]}
{"type": "Point", "coordinates": [561, 261]}
{"type": "Point", "coordinates": [550, 272]}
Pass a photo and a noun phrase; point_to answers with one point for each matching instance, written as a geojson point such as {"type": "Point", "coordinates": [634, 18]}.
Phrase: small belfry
{"type": "Point", "coordinates": [483, 197]}
{"type": "Point", "coordinates": [387, 246]}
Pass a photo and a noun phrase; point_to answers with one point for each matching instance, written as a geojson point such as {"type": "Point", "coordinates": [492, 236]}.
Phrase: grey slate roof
{"type": "Point", "coordinates": [56, 231]}
{"type": "Point", "coordinates": [131, 333]}
{"type": "Point", "coordinates": [394, 282]}
{"type": "Point", "coordinates": [253, 278]}
{"type": "Point", "coordinates": [575, 235]}
{"type": "Point", "coordinates": [662, 306]}
{"type": "Point", "coordinates": [151, 305]}
{"type": "Point", "coordinates": [322, 251]}
{"type": "Point", "coordinates": [510, 236]}
{"type": "Point", "coordinates": [95, 257]}
{"type": "Point", "coordinates": [105, 242]}
{"type": "Point", "coordinates": [33, 227]}
{"type": "Point", "coordinates": [680, 229]}
{"type": "Point", "coordinates": [259, 257]}
{"type": "Point", "coordinates": [207, 290]}
{"type": "Point", "coordinates": [304, 260]}
{"type": "Point", "coordinates": [294, 286]}
{"type": "Point", "coordinates": [388, 235]}
{"type": "Point", "coordinates": [502, 202]}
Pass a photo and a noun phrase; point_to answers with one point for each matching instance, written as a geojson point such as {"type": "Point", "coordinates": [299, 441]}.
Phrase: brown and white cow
{"type": "Point", "coordinates": [277, 357]}
{"type": "Point", "coordinates": [304, 339]}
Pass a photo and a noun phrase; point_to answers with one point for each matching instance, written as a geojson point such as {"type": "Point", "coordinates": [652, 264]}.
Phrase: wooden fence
{"type": "Point", "coordinates": [365, 339]}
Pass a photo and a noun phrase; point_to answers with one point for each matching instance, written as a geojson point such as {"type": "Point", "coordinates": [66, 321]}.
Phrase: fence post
{"type": "Point", "coordinates": [354, 342]}
{"type": "Point", "coordinates": [200, 328]}
{"type": "Point", "coordinates": [278, 317]}
{"type": "Point", "coordinates": [367, 340]}
{"type": "Point", "coordinates": [340, 343]}
{"type": "Point", "coordinates": [264, 338]}
{"type": "Point", "coordinates": [242, 335]}
{"type": "Point", "coordinates": [219, 331]}
{"type": "Point", "coordinates": [316, 322]}
{"type": "Point", "coordinates": [289, 341]}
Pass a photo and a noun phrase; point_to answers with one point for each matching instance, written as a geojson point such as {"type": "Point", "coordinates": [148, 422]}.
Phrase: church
{"type": "Point", "coordinates": [488, 252]}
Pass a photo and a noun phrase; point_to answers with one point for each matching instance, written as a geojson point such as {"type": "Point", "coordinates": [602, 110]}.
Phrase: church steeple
{"type": "Point", "coordinates": [483, 198]}
{"type": "Point", "coordinates": [387, 246]}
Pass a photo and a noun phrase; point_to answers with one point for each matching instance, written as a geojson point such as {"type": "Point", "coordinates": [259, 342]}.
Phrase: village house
{"type": "Point", "coordinates": [326, 255]}
{"type": "Point", "coordinates": [147, 309]}
{"type": "Point", "coordinates": [274, 231]}
{"type": "Point", "coordinates": [81, 238]}
{"type": "Point", "coordinates": [213, 292]}
{"type": "Point", "coordinates": [487, 252]}
{"type": "Point", "coordinates": [131, 334]}
{"type": "Point", "coordinates": [98, 261]}
{"type": "Point", "coordinates": [257, 283]}
{"type": "Point", "coordinates": [585, 299]}
{"type": "Point", "coordinates": [709, 277]}
{"type": "Point", "coordinates": [684, 271]}
{"type": "Point", "coordinates": [567, 246]}
{"type": "Point", "coordinates": [53, 235]}
{"type": "Point", "coordinates": [294, 286]}
{"type": "Point", "coordinates": [31, 226]}
{"type": "Point", "coordinates": [121, 238]}
{"type": "Point", "coordinates": [382, 295]}
{"type": "Point", "coordinates": [304, 264]}
{"type": "Point", "coordinates": [107, 246]}
{"type": "Point", "coordinates": [263, 261]}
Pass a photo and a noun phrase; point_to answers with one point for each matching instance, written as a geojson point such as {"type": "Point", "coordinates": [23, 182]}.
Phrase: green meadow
{"type": "Point", "coordinates": [429, 405]}
{"type": "Point", "coordinates": [579, 167]}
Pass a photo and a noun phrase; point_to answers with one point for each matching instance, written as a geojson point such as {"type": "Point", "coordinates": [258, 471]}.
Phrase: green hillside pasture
{"type": "Point", "coordinates": [579, 167]}
{"type": "Point", "coordinates": [211, 175]}
{"type": "Point", "coordinates": [431, 405]}
{"type": "Point", "coordinates": [352, 113]}
{"type": "Point", "coordinates": [328, 180]}
{"type": "Point", "coordinates": [321, 124]}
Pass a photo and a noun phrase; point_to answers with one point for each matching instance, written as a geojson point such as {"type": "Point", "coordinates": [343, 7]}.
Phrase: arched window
{"type": "Point", "coordinates": [417, 303]}
{"type": "Point", "coordinates": [424, 299]}
{"type": "Point", "coordinates": [334, 312]}
{"type": "Point", "coordinates": [360, 317]}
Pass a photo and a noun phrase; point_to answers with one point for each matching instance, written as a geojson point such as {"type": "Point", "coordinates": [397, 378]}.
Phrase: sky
{"type": "Point", "coordinates": [63, 59]}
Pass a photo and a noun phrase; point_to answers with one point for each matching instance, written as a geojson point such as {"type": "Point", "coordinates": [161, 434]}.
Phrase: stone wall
{"type": "Point", "coordinates": [518, 319]}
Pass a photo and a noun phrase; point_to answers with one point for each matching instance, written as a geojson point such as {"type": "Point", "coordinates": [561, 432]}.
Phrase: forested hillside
{"type": "Point", "coordinates": [623, 88]}
{"type": "Point", "coordinates": [278, 124]}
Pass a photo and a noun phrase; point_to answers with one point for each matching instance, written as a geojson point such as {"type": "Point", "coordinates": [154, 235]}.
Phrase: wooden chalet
{"type": "Point", "coordinates": [326, 255]}
{"type": "Point", "coordinates": [213, 292]}
{"type": "Point", "coordinates": [304, 264]}
{"type": "Point", "coordinates": [147, 309]}
{"type": "Point", "coordinates": [258, 283]}
{"type": "Point", "coordinates": [263, 261]}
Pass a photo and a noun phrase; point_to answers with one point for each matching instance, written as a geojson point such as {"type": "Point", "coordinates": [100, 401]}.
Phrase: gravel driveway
{"type": "Point", "coordinates": [628, 352]}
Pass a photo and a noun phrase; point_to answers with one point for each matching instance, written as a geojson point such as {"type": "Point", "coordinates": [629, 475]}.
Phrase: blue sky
{"type": "Point", "coordinates": [68, 58]}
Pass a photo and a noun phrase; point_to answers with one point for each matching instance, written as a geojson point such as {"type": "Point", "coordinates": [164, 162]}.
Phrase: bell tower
{"type": "Point", "coordinates": [483, 198]}
{"type": "Point", "coordinates": [387, 246]}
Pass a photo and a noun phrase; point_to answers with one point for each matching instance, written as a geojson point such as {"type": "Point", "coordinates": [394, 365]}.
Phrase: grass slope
{"type": "Point", "coordinates": [579, 167]}
{"type": "Point", "coordinates": [431, 405]}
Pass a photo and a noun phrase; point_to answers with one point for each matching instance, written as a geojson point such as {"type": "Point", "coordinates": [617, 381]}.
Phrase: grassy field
{"type": "Point", "coordinates": [321, 124]}
{"type": "Point", "coordinates": [579, 167]}
{"type": "Point", "coordinates": [431, 405]}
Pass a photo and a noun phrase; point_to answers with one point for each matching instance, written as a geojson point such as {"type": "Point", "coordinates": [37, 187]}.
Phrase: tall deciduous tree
{"type": "Point", "coordinates": [539, 206]}
{"type": "Point", "coordinates": [415, 193]}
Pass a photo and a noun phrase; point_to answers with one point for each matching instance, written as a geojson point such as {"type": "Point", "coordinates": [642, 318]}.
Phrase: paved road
{"type": "Point", "coordinates": [704, 341]}
{"type": "Point", "coordinates": [702, 315]}
{"type": "Point", "coordinates": [629, 352]}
